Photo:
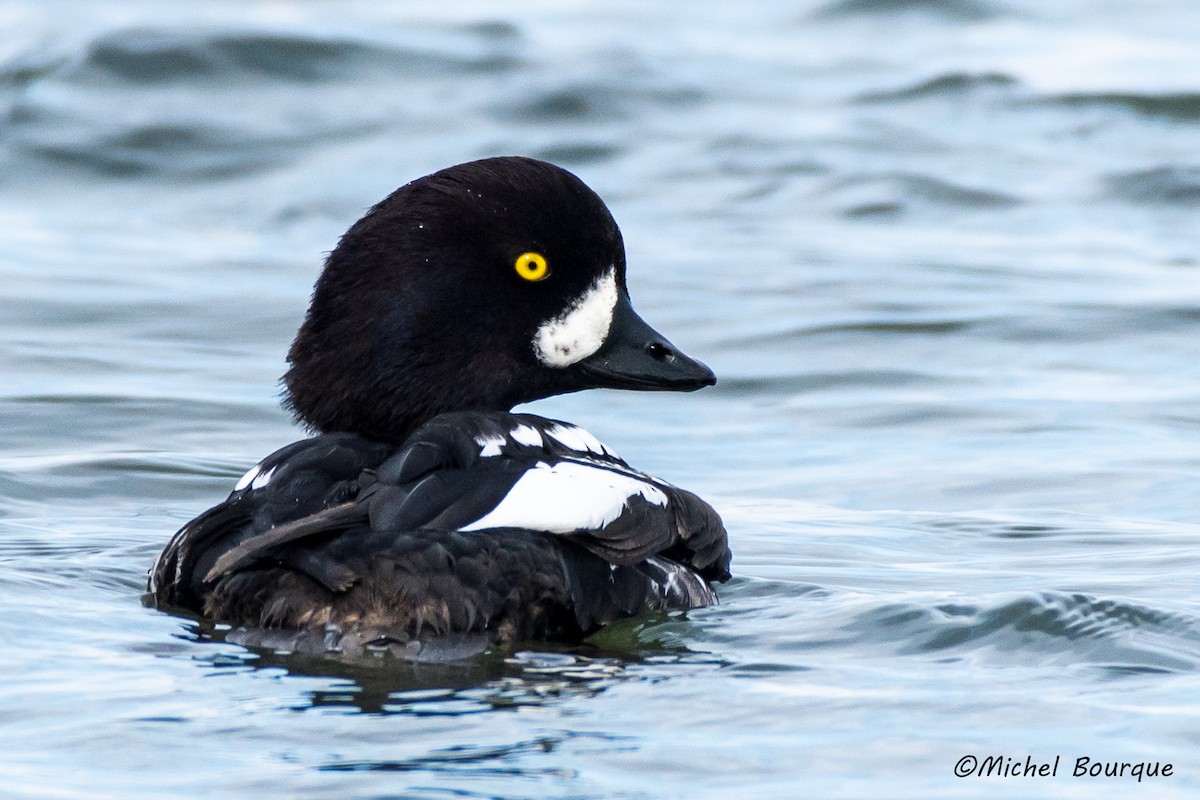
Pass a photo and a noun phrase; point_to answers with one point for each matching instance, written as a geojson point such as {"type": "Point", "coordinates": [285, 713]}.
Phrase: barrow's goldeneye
{"type": "Point", "coordinates": [422, 509]}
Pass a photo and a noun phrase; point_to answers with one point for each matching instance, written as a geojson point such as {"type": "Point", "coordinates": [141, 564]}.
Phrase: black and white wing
{"type": "Point", "coordinates": [474, 472]}
{"type": "Point", "coordinates": [292, 483]}
{"type": "Point", "coordinates": [511, 525]}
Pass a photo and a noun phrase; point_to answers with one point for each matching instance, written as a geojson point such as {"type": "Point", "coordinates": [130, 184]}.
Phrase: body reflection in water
{"type": "Point", "coordinates": [382, 683]}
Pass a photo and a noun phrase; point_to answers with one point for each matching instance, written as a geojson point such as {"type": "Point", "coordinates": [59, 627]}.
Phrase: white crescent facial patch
{"type": "Point", "coordinates": [579, 331]}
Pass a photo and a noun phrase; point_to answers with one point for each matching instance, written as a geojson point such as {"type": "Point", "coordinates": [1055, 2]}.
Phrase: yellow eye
{"type": "Point", "coordinates": [532, 266]}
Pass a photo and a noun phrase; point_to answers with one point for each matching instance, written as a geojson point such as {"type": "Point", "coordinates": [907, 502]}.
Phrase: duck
{"type": "Point", "coordinates": [422, 517]}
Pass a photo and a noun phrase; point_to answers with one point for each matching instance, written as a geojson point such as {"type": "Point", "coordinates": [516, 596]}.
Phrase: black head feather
{"type": "Point", "coordinates": [419, 310]}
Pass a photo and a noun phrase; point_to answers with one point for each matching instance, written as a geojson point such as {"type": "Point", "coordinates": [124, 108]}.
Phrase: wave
{"type": "Point", "coordinates": [953, 85]}
{"type": "Point", "coordinates": [889, 194]}
{"type": "Point", "coordinates": [955, 10]}
{"type": "Point", "coordinates": [147, 56]}
{"type": "Point", "coordinates": [1045, 627]}
{"type": "Point", "coordinates": [1176, 107]}
{"type": "Point", "coordinates": [594, 102]}
{"type": "Point", "coordinates": [1171, 185]}
{"type": "Point", "coordinates": [217, 104]}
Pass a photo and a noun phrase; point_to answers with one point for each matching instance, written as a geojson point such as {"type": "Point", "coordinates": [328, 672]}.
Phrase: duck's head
{"type": "Point", "coordinates": [478, 287]}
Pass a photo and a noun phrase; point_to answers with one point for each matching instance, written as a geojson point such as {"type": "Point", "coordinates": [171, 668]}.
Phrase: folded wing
{"type": "Point", "coordinates": [467, 510]}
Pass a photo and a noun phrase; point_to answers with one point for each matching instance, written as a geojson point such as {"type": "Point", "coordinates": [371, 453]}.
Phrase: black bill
{"type": "Point", "coordinates": [635, 356]}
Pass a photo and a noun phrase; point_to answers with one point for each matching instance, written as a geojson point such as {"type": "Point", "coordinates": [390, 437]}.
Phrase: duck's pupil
{"type": "Point", "coordinates": [532, 266]}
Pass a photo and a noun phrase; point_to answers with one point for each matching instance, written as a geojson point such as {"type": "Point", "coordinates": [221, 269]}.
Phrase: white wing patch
{"type": "Point", "coordinates": [255, 478]}
{"type": "Point", "coordinates": [566, 497]}
{"type": "Point", "coordinates": [527, 435]}
{"type": "Point", "coordinates": [569, 435]}
{"type": "Point", "coordinates": [579, 440]}
{"type": "Point", "coordinates": [489, 446]}
{"type": "Point", "coordinates": [580, 330]}
{"type": "Point", "coordinates": [263, 479]}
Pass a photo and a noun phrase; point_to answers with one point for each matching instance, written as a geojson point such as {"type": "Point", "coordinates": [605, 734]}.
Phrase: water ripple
{"type": "Point", "coordinates": [956, 10]}
{"type": "Point", "coordinates": [952, 85]}
{"type": "Point", "coordinates": [888, 194]}
{"type": "Point", "coordinates": [1088, 628]}
{"type": "Point", "coordinates": [174, 102]}
{"type": "Point", "coordinates": [141, 56]}
{"type": "Point", "coordinates": [1172, 106]}
{"type": "Point", "coordinates": [1170, 185]}
{"type": "Point", "coordinates": [596, 101]}
{"type": "Point", "coordinates": [461, 759]}
{"type": "Point", "coordinates": [166, 149]}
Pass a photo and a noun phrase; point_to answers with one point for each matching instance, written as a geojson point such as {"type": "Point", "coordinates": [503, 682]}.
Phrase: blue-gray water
{"type": "Point", "coordinates": [943, 255]}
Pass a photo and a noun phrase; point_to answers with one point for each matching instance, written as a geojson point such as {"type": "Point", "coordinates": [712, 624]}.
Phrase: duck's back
{"type": "Point", "coordinates": [488, 525]}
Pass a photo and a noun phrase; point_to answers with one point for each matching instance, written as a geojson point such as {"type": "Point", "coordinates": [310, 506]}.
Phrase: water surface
{"type": "Point", "coordinates": [941, 253]}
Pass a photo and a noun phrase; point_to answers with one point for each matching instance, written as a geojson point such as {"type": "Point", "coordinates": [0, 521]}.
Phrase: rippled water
{"type": "Point", "coordinates": [943, 255]}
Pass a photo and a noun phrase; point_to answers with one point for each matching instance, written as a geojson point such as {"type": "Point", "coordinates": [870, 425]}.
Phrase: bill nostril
{"type": "Point", "coordinates": [659, 351]}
